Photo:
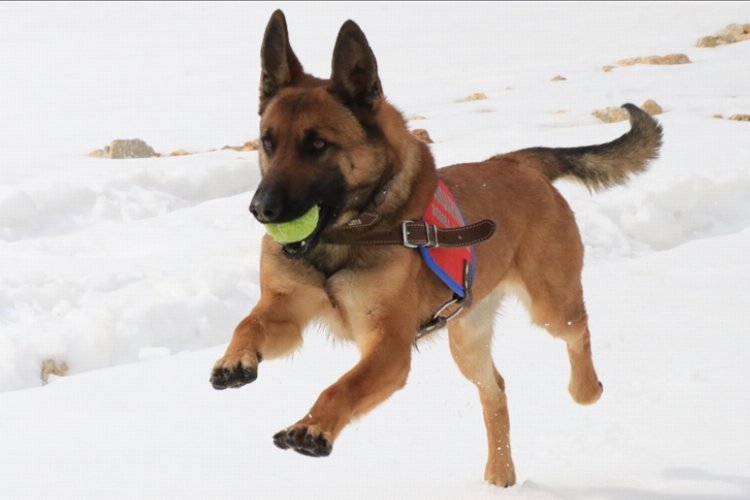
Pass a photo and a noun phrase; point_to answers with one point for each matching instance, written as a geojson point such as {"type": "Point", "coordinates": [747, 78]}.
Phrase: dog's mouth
{"type": "Point", "coordinates": [300, 248]}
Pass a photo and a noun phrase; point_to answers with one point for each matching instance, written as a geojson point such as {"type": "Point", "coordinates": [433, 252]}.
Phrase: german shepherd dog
{"type": "Point", "coordinates": [339, 144]}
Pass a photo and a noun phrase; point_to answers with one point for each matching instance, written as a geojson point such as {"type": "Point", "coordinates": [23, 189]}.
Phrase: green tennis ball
{"type": "Point", "coordinates": [296, 230]}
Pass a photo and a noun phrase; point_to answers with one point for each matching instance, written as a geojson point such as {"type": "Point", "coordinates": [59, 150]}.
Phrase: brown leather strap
{"type": "Point", "coordinates": [412, 234]}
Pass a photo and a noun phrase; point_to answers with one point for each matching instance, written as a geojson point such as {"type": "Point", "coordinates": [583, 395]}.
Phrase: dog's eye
{"type": "Point", "coordinates": [267, 144]}
{"type": "Point", "coordinates": [319, 144]}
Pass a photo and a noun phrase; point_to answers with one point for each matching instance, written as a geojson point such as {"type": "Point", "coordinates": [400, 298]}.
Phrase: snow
{"type": "Point", "coordinates": [134, 272]}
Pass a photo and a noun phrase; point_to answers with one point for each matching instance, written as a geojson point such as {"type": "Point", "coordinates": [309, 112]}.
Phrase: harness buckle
{"type": "Point", "coordinates": [431, 235]}
{"type": "Point", "coordinates": [405, 234]}
{"type": "Point", "coordinates": [438, 321]}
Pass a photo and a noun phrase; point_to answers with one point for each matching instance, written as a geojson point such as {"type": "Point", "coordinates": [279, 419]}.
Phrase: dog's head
{"type": "Point", "coordinates": [322, 141]}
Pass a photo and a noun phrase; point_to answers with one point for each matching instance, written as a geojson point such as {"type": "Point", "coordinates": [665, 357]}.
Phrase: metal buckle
{"type": "Point", "coordinates": [437, 321]}
{"type": "Point", "coordinates": [405, 234]}
{"type": "Point", "coordinates": [432, 242]}
{"type": "Point", "coordinates": [431, 234]}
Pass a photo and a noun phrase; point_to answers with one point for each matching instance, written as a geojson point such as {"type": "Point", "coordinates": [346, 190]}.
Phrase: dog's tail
{"type": "Point", "coordinates": [604, 165]}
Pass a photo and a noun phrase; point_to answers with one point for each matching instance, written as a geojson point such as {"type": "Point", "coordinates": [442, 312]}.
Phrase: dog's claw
{"type": "Point", "coordinates": [233, 375]}
{"type": "Point", "coordinates": [303, 440]}
{"type": "Point", "coordinates": [280, 440]}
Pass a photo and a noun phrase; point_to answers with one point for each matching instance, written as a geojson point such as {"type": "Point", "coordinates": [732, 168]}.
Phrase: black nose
{"type": "Point", "coordinates": [266, 207]}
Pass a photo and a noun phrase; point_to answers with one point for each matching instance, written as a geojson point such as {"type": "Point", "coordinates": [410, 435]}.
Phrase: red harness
{"type": "Point", "coordinates": [448, 264]}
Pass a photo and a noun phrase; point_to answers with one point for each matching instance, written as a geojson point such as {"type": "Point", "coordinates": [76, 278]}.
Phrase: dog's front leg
{"type": "Point", "coordinates": [261, 334]}
{"type": "Point", "coordinates": [274, 327]}
{"type": "Point", "coordinates": [382, 370]}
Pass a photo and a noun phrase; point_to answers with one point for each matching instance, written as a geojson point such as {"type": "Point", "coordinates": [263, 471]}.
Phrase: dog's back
{"type": "Point", "coordinates": [514, 189]}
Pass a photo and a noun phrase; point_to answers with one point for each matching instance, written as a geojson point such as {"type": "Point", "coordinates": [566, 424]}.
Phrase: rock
{"type": "Point", "coordinates": [130, 148]}
{"type": "Point", "coordinates": [740, 118]}
{"type": "Point", "coordinates": [558, 78]}
{"type": "Point", "coordinates": [252, 145]}
{"type": "Point", "coordinates": [179, 152]}
{"type": "Point", "coordinates": [672, 59]}
{"type": "Point", "coordinates": [611, 114]}
{"type": "Point", "coordinates": [732, 33]}
{"type": "Point", "coordinates": [476, 96]}
{"type": "Point", "coordinates": [709, 41]}
{"type": "Point", "coordinates": [651, 107]}
{"type": "Point", "coordinates": [608, 68]}
{"type": "Point", "coordinates": [99, 153]}
{"type": "Point", "coordinates": [617, 114]}
{"type": "Point", "coordinates": [730, 38]}
{"type": "Point", "coordinates": [50, 367]}
{"type": "Point", "coordinates": [631, 61]}
{"type": "Point", "coordinates": [668, 59]}
{"type": "Point", "coordinates": [422, 135]}
{"type": "Point", "coordinates": [734, 29]}
{"type": "Point", "coordinates": [415, 117]}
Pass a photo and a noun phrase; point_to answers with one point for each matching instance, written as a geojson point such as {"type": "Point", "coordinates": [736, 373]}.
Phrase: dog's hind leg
{"type": "Point", "coordinates": [584, 385]}
{"type": "Point", "coordinates": [549, 264]}
{"type": "Point", "coordinates": [470, 343]}
{"type": "Point", "coordinates": [556, 304]}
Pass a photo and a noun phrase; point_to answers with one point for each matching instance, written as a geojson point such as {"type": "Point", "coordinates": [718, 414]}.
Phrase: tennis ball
{"type": "Point", "coordinates": [296, 230]}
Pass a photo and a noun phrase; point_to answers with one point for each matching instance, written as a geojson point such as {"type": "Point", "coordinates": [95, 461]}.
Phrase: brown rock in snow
{"type": "Point", "coordinates": [617, 114]}
{"type": "Point", "coordinates": [651, 107]}
{"type": "Point", "coordinates": [50, 367]}
{"type": "Point", "coordinates": [129, 148]}
{"type": "Point", "coordinates": [732, 33]}
{"type": "Point", "coordinates": [668, 59]}
{"type": "Point", "coordinates": [611, 114]}
{"type": "Point", "coordinates": [476, 96]}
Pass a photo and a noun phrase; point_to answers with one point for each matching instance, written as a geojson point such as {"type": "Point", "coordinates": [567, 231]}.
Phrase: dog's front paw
{"type": "Point", "coordinates": [235, 371]}
{"type": "Point", "coordinates": [308, 440]}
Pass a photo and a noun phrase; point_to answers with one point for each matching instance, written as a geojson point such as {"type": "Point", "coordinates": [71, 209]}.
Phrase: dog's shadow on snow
{"type": "Point", "coordinates": [724, 482]}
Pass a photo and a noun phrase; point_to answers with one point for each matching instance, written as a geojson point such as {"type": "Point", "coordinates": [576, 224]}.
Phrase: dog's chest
{"type": "Point", "coordinates": [363, 298]}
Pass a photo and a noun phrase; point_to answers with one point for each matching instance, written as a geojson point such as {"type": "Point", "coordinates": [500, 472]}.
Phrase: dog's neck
{"type": "Point", "coordinates": [410, 180]}
{"type": "Point", "coordinates": [401, 195]}
{"type": "Point", "coordinates": [404, 195]}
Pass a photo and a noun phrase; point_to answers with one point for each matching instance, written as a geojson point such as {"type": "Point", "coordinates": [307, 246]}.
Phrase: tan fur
{"type": "Point", "coordinates": [377, 296]}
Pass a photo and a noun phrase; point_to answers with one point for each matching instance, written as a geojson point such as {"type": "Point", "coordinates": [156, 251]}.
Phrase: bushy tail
{"type": "Point", "coordinates": [605, 165]}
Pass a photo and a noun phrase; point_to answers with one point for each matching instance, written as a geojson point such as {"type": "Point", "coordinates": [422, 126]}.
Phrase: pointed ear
{"type": "Point", "coordinates": [354, 77]}
{"type": "Point", "coordinates": [279, 65]}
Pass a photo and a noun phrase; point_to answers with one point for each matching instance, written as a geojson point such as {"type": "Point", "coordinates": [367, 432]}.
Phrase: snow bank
{"type": "Point", "coordinates": [99, 191]}
{"type": "Point", "coordinates": [123, 256]}
{"type": "Point", "coordinates": [646, 218]}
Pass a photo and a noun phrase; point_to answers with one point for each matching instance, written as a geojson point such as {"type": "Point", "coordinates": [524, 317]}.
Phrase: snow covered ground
{"type": "Point", "coordinates": [134, 272]}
